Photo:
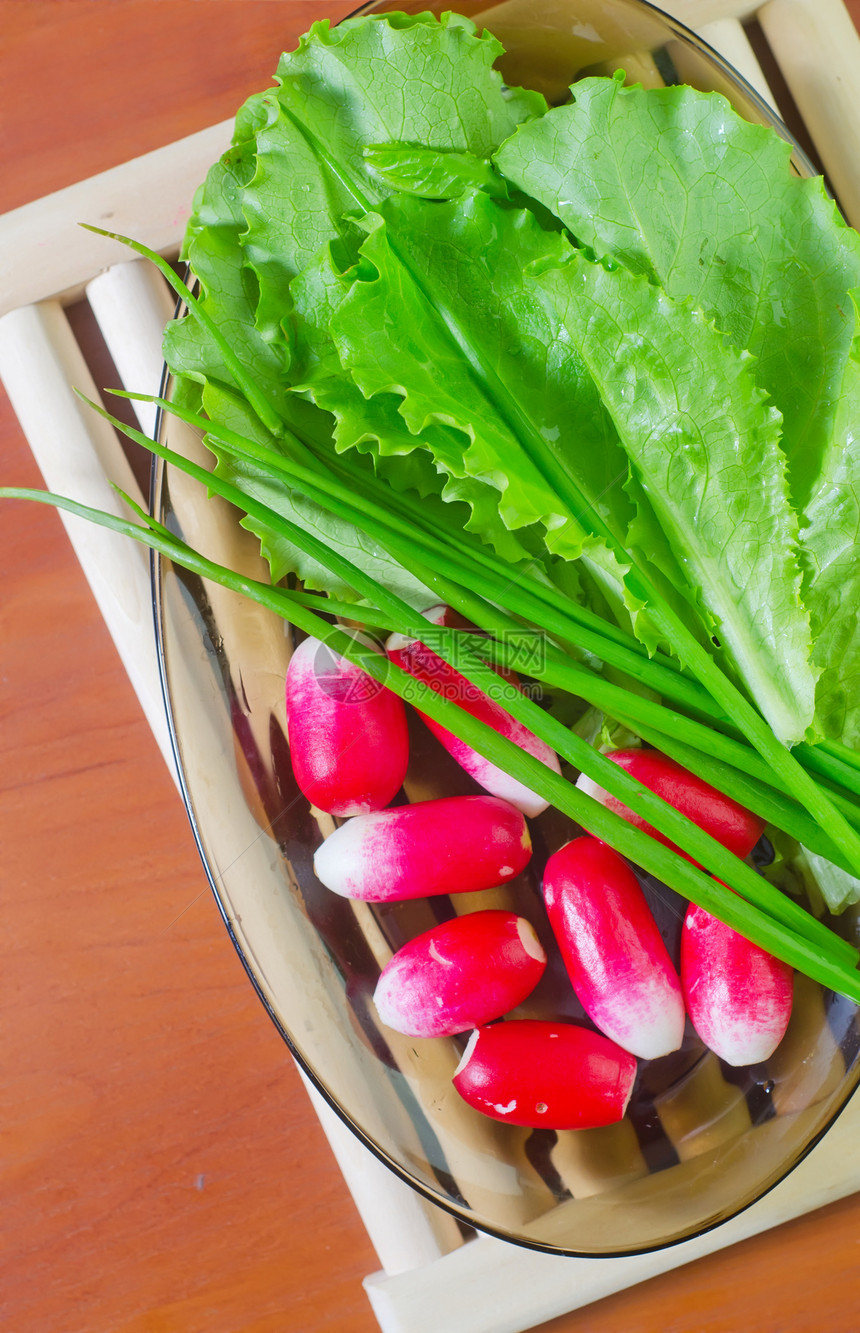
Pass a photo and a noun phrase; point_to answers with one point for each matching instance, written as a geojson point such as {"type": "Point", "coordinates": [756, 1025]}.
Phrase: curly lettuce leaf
{"type": "Point", "coordinates": [374, 425]}
{"type": "Point", "coordinates": [378, 80]}
{"type": "Point", "coordinates": [473, 255]}
{"type": "Point", "coordinates": [469, 257]}
{"type": "Point", "coordinates": [432, 173]}
{"type": "Point", "coordinates": [673, 183]}
{"type": "Point", "coordinates": [831, 549]}
{"type": "Point", "coordinates": [606, 370]}
{"type": "Point", "coordinates": [803, 873]}
{"type": "Point", "coordinates": [228, 287]}
{"type": "Point", "coordinates": [697, 429]}
{"type": "Point", "coordinates": [437, 75]}
{"type": "Point", "coordinates": [229, 294]}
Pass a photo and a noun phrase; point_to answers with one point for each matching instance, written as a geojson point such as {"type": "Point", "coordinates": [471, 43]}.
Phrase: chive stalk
{"type": "Point", "coordinates": [627, 789]}
{"type": "Point", "coordinates": [830, 967]}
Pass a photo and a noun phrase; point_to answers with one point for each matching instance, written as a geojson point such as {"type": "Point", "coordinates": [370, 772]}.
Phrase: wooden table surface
{"type": "Point", "coordinates": [162, 1171]}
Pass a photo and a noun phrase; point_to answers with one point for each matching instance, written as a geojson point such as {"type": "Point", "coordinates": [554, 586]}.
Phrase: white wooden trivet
{"type": "Point", "coordinates": [430, 1279]}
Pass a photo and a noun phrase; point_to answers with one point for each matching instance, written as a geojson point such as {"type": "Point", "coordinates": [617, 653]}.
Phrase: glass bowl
{"type": "Point", "coordinates": [700, 1141]}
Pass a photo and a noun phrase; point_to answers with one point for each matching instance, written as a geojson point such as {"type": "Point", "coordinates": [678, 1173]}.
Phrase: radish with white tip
{"type": "Point", "coordinates": [425, 665]}
{"type": "Point", "coordinates": [461, 974]}
{"type": "Point", "coordinates": [349, 745]}
{"type": "Point", "coordinates": [612, 949]}
{"type": "Point", "coordinates": [546, 1075]}
{"type": "Point", "coordinates": [730, 823]}
{"type": "Point", "coordinates": [457, 844]}
{"type": "Point", "coordinates": [738, 996]}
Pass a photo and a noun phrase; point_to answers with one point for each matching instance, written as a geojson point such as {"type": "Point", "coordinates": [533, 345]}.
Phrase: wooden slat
{"type": "Point", "coordinates": [489, 1287]}
{"type": "Point", "coordinates": [132, 304]}
{"type": "Point", "coordinates": [79, 455]}
{"type": "Point", "coordinates": [696, 13]}
{"type": "Point", "coordinates": [43, 253]}
{"type": "Point", "coordinates": [727, 36]}
{"type": "Point", "coordinates": [817, 48]}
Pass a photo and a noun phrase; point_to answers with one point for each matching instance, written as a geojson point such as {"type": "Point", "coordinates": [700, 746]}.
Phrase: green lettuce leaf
{"type": "Point", "coordinates": [673, 183]}
{"type": "Point", "coordinates": [445, 79]}
{"type": "Point", "coordinates": [831, 549]}
{"type": "Point", "coordinates": [569, 374]}
{"type": "Point", "coordinates": [479, 256]}
{"type": "Point", "coordinates": [424, 463]}
{"type": "Point", "coordinates": [228, 287]}
{"type": "Point", "coordinates": [432, 173]}
{"type": "Point", "coordinates": [803, 873]}
{"type": "Point", "coordinates": [369, 81]}
{"type": "Point", "coordinates": [229, 294]}
{"type": "Point", "coordinates": [469, 257]}
{"type": "Point", "coordinates": [697, 429]}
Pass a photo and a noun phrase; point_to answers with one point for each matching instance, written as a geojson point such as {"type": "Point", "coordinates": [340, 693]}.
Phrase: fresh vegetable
{"type": "Point", "coordinates": [738, 997]}
{"type": "Point", "coordinates": [725, 819]}
{"type": "Point", "coordinates": [612, 949]}
{"type": "Point", "coordinates": [419, 385]}
{"type": "Point", "coordinates": [663, 183]}
{"type": "Point", "coordinates": [425, 665]}
{"type": "Point", "coordinates": [547, 1075]}
{"type": "Point", "coordinates": [297, 126]}
{"type": "Point", "coordinates": [460, 975]}
{"type": "Point", "coordinates": [348, 740]}
{"type": "Point", "coordinates": [457, 844]}
{"type": "Point", "coordinates": [447, 618]}
{"type": "Point", "coordinates": [796, 936]}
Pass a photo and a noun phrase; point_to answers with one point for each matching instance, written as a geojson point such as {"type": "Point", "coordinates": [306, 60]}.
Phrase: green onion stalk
{"type": "Point", "coordinates": [830, 961]}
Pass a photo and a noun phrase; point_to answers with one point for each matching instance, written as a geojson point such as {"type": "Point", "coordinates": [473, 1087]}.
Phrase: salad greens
{"type": "Point", "coordinates": [588, 373]}
{"type": "Point", "coordinates": [669, 185]}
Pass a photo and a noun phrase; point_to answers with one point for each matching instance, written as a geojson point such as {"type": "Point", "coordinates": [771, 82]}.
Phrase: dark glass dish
{"type": "Point", "coordinates": [701, 1141]}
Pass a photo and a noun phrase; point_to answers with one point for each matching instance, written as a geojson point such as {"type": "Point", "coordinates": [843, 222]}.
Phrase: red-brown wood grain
{"type": "Point", "coordinates": [162, 1171]}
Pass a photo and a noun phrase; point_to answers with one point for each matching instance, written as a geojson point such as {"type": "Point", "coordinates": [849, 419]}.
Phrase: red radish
{"type": "Point", "coordinates": [440, 614]}
{"type": "Point", "coordinates": [348, 740]}
{"type": "Point", "coordinates": [612, 948]}
{"type": "Point", "coordinates": [459, 844]}
{"type": "Point", "coordinates": [425, 665]}
{"type": "Point", "coordinates": [549, 1075]}
{"type": "Point", "coordinates": [448, 618]}
{"type": "Point", "coordinates": [459, 975]}
{"type": "Point", "coordinates": [736, 828]}
{"type": "Point", "coordinates": [738, 997]}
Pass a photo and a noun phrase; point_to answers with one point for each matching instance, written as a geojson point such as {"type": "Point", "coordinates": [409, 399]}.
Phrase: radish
{"type": "Point", "coordinates": [348, 740]}
{"type": "Point", "coordinates": [459, 975]}
{"type": "Point", "coordinates": [447, 618]}
{"type": "Point", "coordinates": [425, 665]}
{"type": "Point", "coordinates": [738, 997]}
{"type": "Point", "coordinates": [731, 824]}
{"type": "Point", "coordinates": [612, 948]}
{"type": "Point", "coordinates": [458, 844]}
{"type": "Point", "coordinates": [541, 1074]}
